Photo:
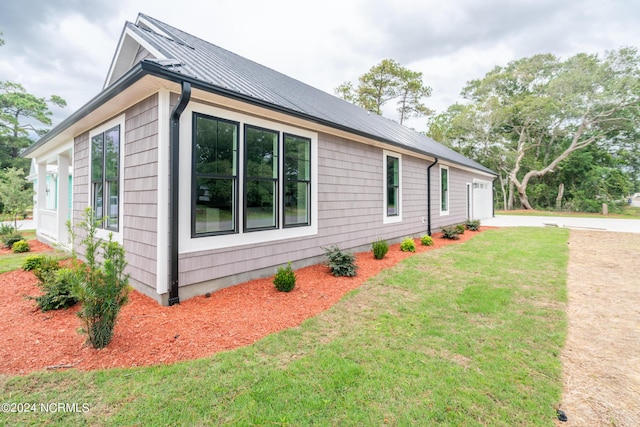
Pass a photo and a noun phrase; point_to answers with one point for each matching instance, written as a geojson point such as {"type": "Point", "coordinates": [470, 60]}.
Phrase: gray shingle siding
{"type": "Point", "coordinates": [350, 200]}
{"type": "Point", "coordinates": [140, 191]}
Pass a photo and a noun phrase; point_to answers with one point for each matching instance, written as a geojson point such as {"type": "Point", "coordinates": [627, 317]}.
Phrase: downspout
{"type": "Point", "coordinates": [174, 168]}
{"type": "Point", "coordinates": [429, 195]}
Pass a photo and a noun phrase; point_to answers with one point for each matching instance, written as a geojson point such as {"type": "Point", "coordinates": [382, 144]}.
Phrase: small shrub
{"type": "Point", "coordinates": [20, 246]}
{"type": "Point", "coordinates": [10, 239]}
{"type": "Point", "coordinates": [7, 229]}
{"type": "Point", "coordinates": [472, 224]}
{"type": "Point", "coordinates": [32, 262]}
{"type": "Point", "coordinates": [340, 263]}
{"type": "Point", "coordinates": [408, 245]}
{"type": "Point", "coordinates": [460, 228]}
{"type": "Point", "coordinates": [426, 240]}
{"type": "Point", "coordinates": [450, 233]}
{"type": "Point", "coordinates": [58, 290]}
{"type": "Point", "coordinates": [285, 279]}
{"type": "Point", "coordinates": [44, 268]}
{"type": "Point", "coordinates": [380, 248]}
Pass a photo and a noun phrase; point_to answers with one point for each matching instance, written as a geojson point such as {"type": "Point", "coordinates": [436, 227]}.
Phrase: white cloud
{"type": "Point", "coordinates": [64, 47]}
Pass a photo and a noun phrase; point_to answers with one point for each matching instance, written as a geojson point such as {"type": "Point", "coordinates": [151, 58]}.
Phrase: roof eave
{"type": "Point", "coordinates": [133, 75]}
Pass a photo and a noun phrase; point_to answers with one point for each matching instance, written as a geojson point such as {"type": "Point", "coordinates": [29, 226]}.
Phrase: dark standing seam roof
{"type": "Point", "coordinates": [213, 65]}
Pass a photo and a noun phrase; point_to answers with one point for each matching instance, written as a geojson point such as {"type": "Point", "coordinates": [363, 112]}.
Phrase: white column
{"type": "Point", "coordinates": [41, 194]}
{"type": "Point", "coordinates": [63, 198]}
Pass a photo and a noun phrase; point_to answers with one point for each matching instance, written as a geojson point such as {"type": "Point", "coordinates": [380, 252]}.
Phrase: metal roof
{"type": "Point", "coordinates": [216, 66]}
{"type": "Point", "coordinates": [218, 70]}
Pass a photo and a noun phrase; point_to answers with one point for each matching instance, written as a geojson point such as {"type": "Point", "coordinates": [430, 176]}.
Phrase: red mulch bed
{"type": "Point", "coordinates": [34, 246]}
{"type": "Point", "coordinates": [150, 334]}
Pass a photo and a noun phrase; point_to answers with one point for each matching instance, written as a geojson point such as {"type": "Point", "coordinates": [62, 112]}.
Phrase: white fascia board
{"type": "Point", "coordinates": [126, 51]}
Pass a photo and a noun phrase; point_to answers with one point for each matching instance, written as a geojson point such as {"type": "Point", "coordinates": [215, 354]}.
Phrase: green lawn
{"type": "Point", "coordinates": [462, 336]}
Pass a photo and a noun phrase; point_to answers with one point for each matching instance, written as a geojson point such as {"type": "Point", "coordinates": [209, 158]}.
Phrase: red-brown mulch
{"type": "Point", "coordinates": [34, 246]}
{"type": "Point", "coordinates": [150, 334]}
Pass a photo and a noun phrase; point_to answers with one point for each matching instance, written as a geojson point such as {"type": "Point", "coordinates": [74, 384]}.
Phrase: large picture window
{"type": "Point", "coordinates": [215, 169]}
{"type": "Point", "coordinates": [444, 190]}
{"type": "Point", "coordinates": [105, 177]}
{"type": "Point", "coordinates": [297, 186]}
{"type": "Point", "coordinates": [252, 180]}
{"type": "Point", "coordinates": [260, 178]}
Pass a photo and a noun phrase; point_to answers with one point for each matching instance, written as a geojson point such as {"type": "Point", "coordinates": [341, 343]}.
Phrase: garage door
{"type": "Point", "coordinates": [482, 199]}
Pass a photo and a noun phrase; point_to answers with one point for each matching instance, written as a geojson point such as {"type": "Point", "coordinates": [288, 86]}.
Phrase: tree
{"type": "Point", "coordinates": [385, 82]}
{"type": "Point", "coordinates": [539, 111]}
{"type": "Point", "coordinates": [16, 194]}
{"type": "Point", "coordinates": [16, 104]}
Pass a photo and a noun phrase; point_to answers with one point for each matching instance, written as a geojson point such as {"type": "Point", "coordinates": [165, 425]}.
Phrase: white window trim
{"type": "Point", "coordinates": [101, 232]}
{"type": "Point", "coordinates": [188, 244]}
{"type": "Point", "coordinates": [446, 212]}
{"type": "Point", "coordinates": [386, 219]}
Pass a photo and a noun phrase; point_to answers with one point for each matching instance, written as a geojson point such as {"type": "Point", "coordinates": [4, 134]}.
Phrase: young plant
{"type": "Point", "coordinates": [32, 262]}
{"type": "Point", "coordinates": [20, 246]}
{"type": "Point", "coordinates": [56, 283]}
{"type": "Point", "coordinates": [408, 245]}
{"type": "Point", "coordinates": [450, 233]}
{"type": "Point", "coordinates": [340, 263]}
{"type": "Point", "coordinates": [9, 239]}
{"type": "Point", "coordinates": [285, 279]}
{"type": "Point", "coordinates": [426, 240]}
{"type": "Point", "coordinates": [42, 268]}
{"type": "Point", "coordinates": [102, 288]}
{"type": "Point", "coordinates": [472, 224]}
{"type": "Point", "coordinates": [58, 289]}
{"type": "Point", "coordinates": [7, 229]}
{"type": "Point", "coordinates": [460, 228]}
{"type": "Point", "coordinates": [380, 248]}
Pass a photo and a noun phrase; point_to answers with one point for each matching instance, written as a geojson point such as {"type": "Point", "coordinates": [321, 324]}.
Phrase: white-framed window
{"type": "Point", "coordinates": [444, 190]}
{"type": "Point", "coordinates": [252, 180]}
{"type": "Point", "coordinates": [392, 170]}
{"type": "Point", "coordinates": [106, 146]}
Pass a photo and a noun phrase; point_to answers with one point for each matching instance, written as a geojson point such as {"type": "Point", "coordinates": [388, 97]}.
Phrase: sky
{"type": "Point", "coordinates": [65, 47]}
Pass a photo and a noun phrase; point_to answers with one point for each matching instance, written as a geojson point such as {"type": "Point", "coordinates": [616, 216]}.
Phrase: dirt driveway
{"type": "Point", "coordinates": [601, 359]}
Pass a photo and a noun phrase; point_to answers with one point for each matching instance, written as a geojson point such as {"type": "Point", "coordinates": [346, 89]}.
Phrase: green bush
{"type": "Point", "coordinates": [20, 246]}
{"type": "Point", "coordinates": [460, 228]}
{"type": "Point", "coordinates": [58, 290]}
{"type": "Point", "coordinates": [44, 268]}
{"type": "Point", "coordinates": [102, 288]}
{"type": "Point", "coordinates": [472, 224]}
{"type": "Point", "coordinates": [7, 229]}
{"type": "Point", "coordinates": [380, 248]}
{"type": "Point", "coordinates": [10, 239]}
{"type": "Point", "coordinates": [32, 262]}
{"type": "Point", "coordinates": [340, 263]}
{"type": "Point", "coordinates": [408, 245]}
{"type": "Point", "coordinates": [450, 233]}
{"type": "Point", "coordinates": [285, 279]}
{"type": "Point", "coordinates": [426, 240]}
